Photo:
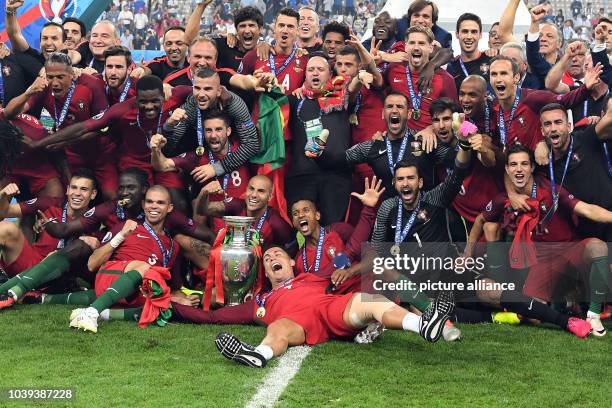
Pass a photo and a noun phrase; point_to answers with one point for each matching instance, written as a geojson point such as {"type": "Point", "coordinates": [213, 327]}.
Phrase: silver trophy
{"type": "Point", "coordinates": [238, 261]}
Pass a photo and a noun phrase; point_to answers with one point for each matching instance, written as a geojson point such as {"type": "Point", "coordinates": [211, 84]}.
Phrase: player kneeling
{"type": "Point", "coordinates": [298, 310]}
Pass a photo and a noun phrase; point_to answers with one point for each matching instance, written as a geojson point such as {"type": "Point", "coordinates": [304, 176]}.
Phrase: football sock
{"type": "Point", "coordinates": [265, 351]}
{"type": "Point", "coordinates": [411, 322]}
{"type": "Point", "coordinates": [497, 255]}
{"type": "Point", "coordinates": [415, 297]}
{"type": "Point", "coordinates": [48, 269]}
{"type": "Point", "coordinates": [84, 297]}
{"type": "Point", "coordinates": [598, 280]}
{"type": "Point", "coordinates": [531, 308]}
{"type": "Point", "coordinates": [121, 288]}
{"type": "Point", "coordinates": [471, 316]}
{"type": "Point", "coordinates": [130, 314]}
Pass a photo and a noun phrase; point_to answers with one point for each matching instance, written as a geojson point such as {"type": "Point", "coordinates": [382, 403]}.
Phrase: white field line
{"type": "Point", "coordinates": [275, 382]}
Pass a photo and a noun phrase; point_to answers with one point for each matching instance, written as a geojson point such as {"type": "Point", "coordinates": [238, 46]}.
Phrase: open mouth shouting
{"type": "Point", "coordinates": [407, 194]}
{"type": "Point", "coordinates": [304, 228]}
{"type": "Point", "coordinates": [555, 139]}
{"type": "Point", "coordinates": [501, 90]}
{"type": "Point", "coordinates": [276, 266]}
{"type": "Point", "coordinates": [468, 108]}
{"type": "Point", "coordinates": [417, 57]}
{"type": "Point", "coordinates": [395, 123]}
{"type": "Point", "coordinates": [445, 135]}
{"type": "Point", "coordinates": [315, 82]}
{"type": "Point", "coordinates": [248, 40]}
{"type": "Point", "coordinates": [520, 179]}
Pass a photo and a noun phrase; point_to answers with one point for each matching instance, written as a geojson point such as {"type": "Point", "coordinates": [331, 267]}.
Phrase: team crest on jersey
{"type": "Point", "coordinates": [6, 70]}
{"type": "Point", "coordinates": [297, 65]}
{"type": "Point", "coordinates": [32, 201]}
{"type": "Point", "coordinates": [152, 259]}
{"type": "Point", "coordinates": [57, 10]}
{"type": "Point", "coordinates": [422, 215]}
{"type": "Point", "coordinates": [90, 212]}
{"type": "Point", "coordinates": [575, 157]}
{"type": "Point", "coordinates": [107, 237]}
{"type": "Point", "coordinates": [81, 105]}
{"type": "Point", "coordinates": [489, 206]}
{"type": "Point", "coordinates": [521, 121]}
{"type": "Point", "coordinates": [484, 68]}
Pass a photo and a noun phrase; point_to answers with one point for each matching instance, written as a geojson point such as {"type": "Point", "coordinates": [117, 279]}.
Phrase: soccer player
{"type": "Point", "coordinates": [516, 52]}
{"type": "Point", "coordinates": [335, 35]}
{"type": "Point", "coordinates": [549, 224]}
{"type": "Point", "coordinates": [475, 104]}
{"type": "Point", "coordinates": [580, 162]}
{"type": "Point", "coordinates": [42, 180]}
{"type": "Point", "coordinates": [384, 30]}
{"type": "Point", "coordinates": [17, 253]}
{"type": "Point", "coordinates": [72, 101]}
{"type": "Point", "coordinates": [186, 122]}
{"type": "Point", "coordinates": [286, 66]}
{"type": "Point", "coordinates": [517, 110]}
{"type": "Point", "coordinates": [419, 48]}
{"type": "Point", "coordinates": [117, 68]}
{"type": "Point", "coordinates": [217, 132]}
{"type": "Point", "coordinates": [133, 252]}
{"type": "Point", "coordinates": [74, 32]}
{"type": "Point", "coordinates": [133, 122]}
{"type": "Point", "coordinates": [470, 61]}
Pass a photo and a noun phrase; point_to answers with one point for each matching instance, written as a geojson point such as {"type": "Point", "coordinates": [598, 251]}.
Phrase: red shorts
{"type": "Point", "coordinates": [109, 273]}
{"type": "Point", "coordinates": [104, 168]}
{"type": "Point", "coordinates": [170, 179]}
{"type": "Point", "coordinates": [326, 321]}
{"type": "Point", "coordinates": [358, 283]}
{"type": "Point", "coordinates": [28, 257]}
{"type": "Point", "coordinates": [554, 259]}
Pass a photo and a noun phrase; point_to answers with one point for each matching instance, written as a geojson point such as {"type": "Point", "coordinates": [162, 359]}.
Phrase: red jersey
{"type": "Point", "coordinates": [290, 74]}
{"type": "Point", "coordinates": [52, 208]}
{"type": "Point", "coordinates": [88, 99]}
{"type": "Point", "coordinates": [525, 125]}
{"type": "Point", "coordinates": [141, 245]}
{"type": "Point", "coordinates": [135, 132]}
{"type": "Point", "coordinates": [32, 128]}
{"type": "Point", "coordinates": [126, 91]}
{"type": "Point", "coordinates": [558, 229]}
{"type": "Point", "coordinates": [110, 215]}
{"type": "Point", "coordinates": [442, 85]}
{"type": "Point", "coordinates": [274, 230]}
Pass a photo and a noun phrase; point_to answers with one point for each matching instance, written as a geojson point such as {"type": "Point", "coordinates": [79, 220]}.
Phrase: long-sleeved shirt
{"type": "Point", "coordinates": [182, 137]}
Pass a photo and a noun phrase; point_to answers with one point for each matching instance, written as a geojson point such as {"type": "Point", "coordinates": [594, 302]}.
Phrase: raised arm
{"type": "Point", "coordinates": [193, 24]}
{"type": "Point", "coordinates": [19, 104]}
{"type": "Point", "coordinates": [506, 21]}
{"type": "Point", "coordinates": [18, 41]}
{"type": "Point", "coordinates": [553, 78]}
{"type": "Point", "coordinates": [158, 160]}
{"type": "Point", "coordinates": [6, 208]}
{"type": "Point", "coordinates": [103, 254]}
{"type": "Point", "coordinates": [204, 206]}
{"type": "Point", "coordinates": [593, 212]}
{"type": "Point", "coordinates": [603, 129]}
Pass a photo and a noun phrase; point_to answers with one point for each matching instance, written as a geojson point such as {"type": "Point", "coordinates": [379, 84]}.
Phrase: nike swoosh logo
{"type": "Point", "coordinates": [133, 123]}
{"type": "Point", "coordinates": [599, 293]}
{"type": "Point", "coordinates": [141, 236]}
{"type": "Point", "coordinates": [255, 361]}
{"type": "Point", "coordinates": [396, 80]}
{"type": "Point", "coordinates": [530, 304]}
{"type": "Point", "coordinates": [382, 151]}
{"type": "Point", "coordinates": [393, 226]}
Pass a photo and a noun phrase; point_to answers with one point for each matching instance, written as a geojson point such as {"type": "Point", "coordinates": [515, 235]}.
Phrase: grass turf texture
{"type": "Point", "coordinates": [179, 366]}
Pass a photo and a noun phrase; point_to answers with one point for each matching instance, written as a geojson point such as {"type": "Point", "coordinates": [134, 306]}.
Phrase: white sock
{"type": "Point", "coordinates": [265, 351]}
{"type": "Point", "coordinates": [105, 314]}
{"type": "Point", "coordinates": [12, 294]}
{"type": "Point", "coordinates": [592, 314]}
{"type": "Point", "coordinates": [411, 322]}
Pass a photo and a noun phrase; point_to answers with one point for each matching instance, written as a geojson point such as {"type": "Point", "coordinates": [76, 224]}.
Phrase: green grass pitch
{"type": "Point", "coordinates": [178, 366]}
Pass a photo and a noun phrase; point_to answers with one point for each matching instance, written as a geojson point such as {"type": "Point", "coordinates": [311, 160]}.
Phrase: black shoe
{"type": "Point", "coordinates": [233, 349]}
{"type": "Point", "coordinates": [3, 276]}
{"type": "Point", "coordinates": [433, 319]}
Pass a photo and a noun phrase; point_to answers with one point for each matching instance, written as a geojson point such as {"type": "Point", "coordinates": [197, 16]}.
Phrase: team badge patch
{"type": "Point", "coordinates": [489, 206]}
{"type": "Point", "coordinates": [6, 70]}
{"type": "Point", "coordinates": [81, 105]}
{"type": "Point", "coordinates": [107, 237]}
{"type": "Point", "coordinates": [484, 68]}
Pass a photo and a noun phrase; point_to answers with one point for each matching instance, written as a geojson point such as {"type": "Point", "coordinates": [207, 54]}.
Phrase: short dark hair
{"type": "Point", "coordinates": [53, 24]}
{"type": "Point", "coordinates": [174, 28]}
{"type": "Point", "coordinates": [469, 17]}
{"type": "Point", "coordinates": [552, 107]}
{"type": "Point", "coordinates": [116, 51]}
{"type": "Point", "coordinates": [149, 83]}
{"type": "Point", "coordinates": [519, 148]}
{"type": "Point", "coordinates": [84, 172]}
{"type": "Point", "coordinates": [59, 58]}
{"type": "Point", "coordinates": [336, 27]}
{"type": "Point", "coordinates": [515, 67]}
{"type": "Point", "coordinates": [76, 21]}
{"type": "Point", "coordinates": [409, 161]}
{"type": "Point", "coordinates": [205, 72]}
{"type": "Point", "coordinates": [290, 13]}
{"type": "Point", "coordinates": [139, 174]}
{"type": "Point", "coordinates": [349, 50]}
{"type": "Point", "coordinates": [217, 114]}
{"type": "Point", "coordinates": [420, 5]}
{"type": "Point", "coordinates": [603, 20]}
{"type": "Point", "coordinates": [248, 13]}
{"type": "Point", "coordinates": [440, 105]}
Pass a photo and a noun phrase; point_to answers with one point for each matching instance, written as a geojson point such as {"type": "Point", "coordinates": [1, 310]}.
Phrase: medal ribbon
{"type": "Point", "coordinates": [62, 242]}
{"type": "Point", "coordinates": [212, 160]}
{"type": "Point", "coordinates": [1, 86]}
{"type": "Point", "coordinates": [607, 157]}
{"type": "Point", "coordinates": [318, 253]}
{"type": "Point", "coordinates": [415, 99]}
{"type": "Point", "coordinates": [59, 121]}
{"type": "Point", "coordinates": [166, 254]}
{"type": "Point", "coordinates": [551, 173]}
{"type": "Point", "coordinates": [401, 153]}
{"type": "Point", "coordinates": [261, 301]}
{"type": "Point", "coordinates": [124, 92]}
{"type": "Point", "coordinates": [260, 224]}
{"type": "Point", "coordinates": [120, 212]}
{"type": "Point", "coordinates": [401, 234]}
{"type": "Point", "coordinates": [147, 137]}
{"type": "Point", "coordinates": [502, 123]}
{"type": "Point", "coordinates": [199, 129]}
{"type": "Point", "coordinates": [272, 62]}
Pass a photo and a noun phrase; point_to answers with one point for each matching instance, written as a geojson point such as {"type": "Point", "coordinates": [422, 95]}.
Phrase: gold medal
{"type": "Point", "coordinates": [395, 250]}
{"type": "Point", "coordinates": [416, 115]}
{"type": "Point", "coordinates": [199, 150]}
{"type": "Point", "coordinates": [261, 312]}
{"type": "Point", "coordinates": [353, 120]}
